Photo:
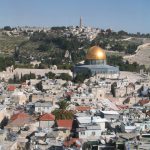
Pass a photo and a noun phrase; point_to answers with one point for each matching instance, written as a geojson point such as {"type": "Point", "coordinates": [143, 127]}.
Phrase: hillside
{"type": "Point", "coordinates": [8, 43]}
{"type": "Point", "coordinates": [142, 55]}
{"type": "Point", "coordinates": [51, 46]}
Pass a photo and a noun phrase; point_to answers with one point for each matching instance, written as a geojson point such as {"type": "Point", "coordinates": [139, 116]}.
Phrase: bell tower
{"type": "Point", "coordinates": [81, 22]}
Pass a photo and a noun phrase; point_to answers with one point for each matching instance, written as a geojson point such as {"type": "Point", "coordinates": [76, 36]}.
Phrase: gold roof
{"type": "Point", "coordinates": [96, 53]}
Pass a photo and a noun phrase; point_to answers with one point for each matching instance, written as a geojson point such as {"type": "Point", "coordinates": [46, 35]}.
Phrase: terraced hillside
{"type": "Point", "coordinates": [8, 43]}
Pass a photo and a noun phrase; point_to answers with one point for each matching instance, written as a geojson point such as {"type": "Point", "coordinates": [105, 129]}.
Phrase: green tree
{"type": "Point", "coordinates": [39, 86]}
{"type": "Point", "coordinates": [4, 122]}
{"type": "Point", "coordinates": [6, 62]}
{"type": "Point", "coordinates": [121, 32]}
{"type": "Point", "coordinates": [43, 47]}
{"type": "Point", "coordinates": [65, 76]}
{"type": "Point", "coordinates": [63, 104]}
{"type": "Point", "coordinates": [27, 77]}
{"type": "Point", "coordinates": [50, 75]}
{"type": "Point", "coordinates": [58, 28]}
{"type": "Point", "coordinates": [16, 78]}
{"type": "Point", "coordinates": [38, 36]}
{"type": "Point", "coordinates": [7, 28]}
{"type": "Point", "coordinates": [16, 54]}
{"type": "Point", "coordinates": [43, 66]}
{"type": "Point", "coordinates": [61, 112]}
{"type": "Point", "coordinates": [113, 89]}
{"type": "Point", "coordinates": [32, 76]}
{"type": "Point", "coordinates": [131, 48]}
{"type": "Point", "coordinates": [80, 77]}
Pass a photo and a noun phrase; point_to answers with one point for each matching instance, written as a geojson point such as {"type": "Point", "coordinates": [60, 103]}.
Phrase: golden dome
{"type": "Point", "coordinates": [96, 53]}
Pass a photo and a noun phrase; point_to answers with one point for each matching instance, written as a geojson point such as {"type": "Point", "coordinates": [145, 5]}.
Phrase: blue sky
{"type": "Point", "coordinates": [128, 15]}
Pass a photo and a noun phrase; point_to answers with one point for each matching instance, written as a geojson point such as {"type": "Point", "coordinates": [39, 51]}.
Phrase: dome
{"type": "Point", "coordinates": [96, 53]}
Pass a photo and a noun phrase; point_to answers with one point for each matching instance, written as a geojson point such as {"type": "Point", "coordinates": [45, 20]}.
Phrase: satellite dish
{"type": "Point", "coordinates": [103, 141]}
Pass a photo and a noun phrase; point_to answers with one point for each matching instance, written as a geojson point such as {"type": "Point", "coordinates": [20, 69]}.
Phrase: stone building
{"type": "Point", "coordinates": [95, 64]}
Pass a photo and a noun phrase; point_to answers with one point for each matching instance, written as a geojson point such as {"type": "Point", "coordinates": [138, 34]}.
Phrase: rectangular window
{"type": "Point", "coordinates": [82, 133]}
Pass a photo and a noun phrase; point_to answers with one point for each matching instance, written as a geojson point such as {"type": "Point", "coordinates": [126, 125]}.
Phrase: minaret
{"type": "Point", "coordinates": [80, 22]}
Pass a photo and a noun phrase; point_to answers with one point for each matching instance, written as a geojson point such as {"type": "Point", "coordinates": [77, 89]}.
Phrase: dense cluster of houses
{"type": "Point", "coordinates": [100, 114]}
{"type": "Point", "coordinates": [83, 33]}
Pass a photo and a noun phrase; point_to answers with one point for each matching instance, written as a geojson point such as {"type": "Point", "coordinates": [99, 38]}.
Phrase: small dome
{"type": "Point", "coordinates": [96, 53]}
